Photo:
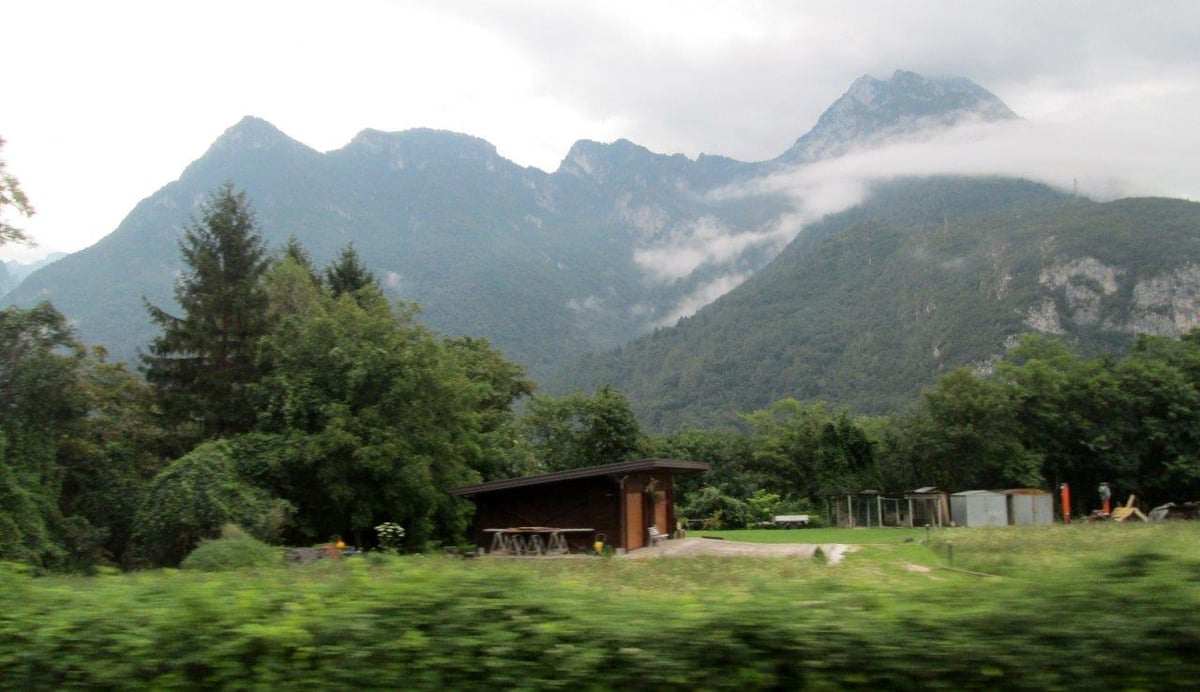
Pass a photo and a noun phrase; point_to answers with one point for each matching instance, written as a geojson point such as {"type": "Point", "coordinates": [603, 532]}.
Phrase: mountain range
{"type": "Point", "coordinates": [868, 306]}
{"type": "Point", "coordinates": [620, 242]}
{"type": "Point", "coordinates": [13, 272]}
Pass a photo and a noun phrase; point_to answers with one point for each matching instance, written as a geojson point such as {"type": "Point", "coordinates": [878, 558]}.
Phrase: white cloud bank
{"type": "Point", "coordinates": [702, 243]}
{"type": "Point", "coordinates": [1147, 150]}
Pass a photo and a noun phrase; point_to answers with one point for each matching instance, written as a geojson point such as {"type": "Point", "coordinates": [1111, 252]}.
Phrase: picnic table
{"type": "Point", "coordinates": [531, 540]}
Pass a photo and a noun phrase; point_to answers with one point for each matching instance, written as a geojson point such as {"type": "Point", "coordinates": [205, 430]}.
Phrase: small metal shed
{"type": "Point", "coordinates": [1030, 507]}
{"type": "Point", "coordinates": [979, 508]}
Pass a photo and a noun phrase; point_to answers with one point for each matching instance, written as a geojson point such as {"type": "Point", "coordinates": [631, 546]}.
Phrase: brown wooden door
{"type": "Point", "coordinates": [635, 522]}
{"type": "Point", "coordinates": [660, 516]}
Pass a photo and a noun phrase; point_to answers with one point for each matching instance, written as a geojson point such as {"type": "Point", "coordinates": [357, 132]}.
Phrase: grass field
{"type": "Point", "coordinates": [1008, 551]}
{"type": "Point", "coordinates": [826, 535]}
{"type": "Point", "coordinates": [1074, 607]}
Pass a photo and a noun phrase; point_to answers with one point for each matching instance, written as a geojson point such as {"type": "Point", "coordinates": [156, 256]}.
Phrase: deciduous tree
{"type": "Point", "coordinates": [580, 430]}
{"type": "Point", "coordinates": [966, 434]}
{"type": "Point", "coordinates": [371, 417]}
{"type": "Point", "coordinates": [76, 447]}
{"type": "Point", "coordinates": [11, 196]}
{"type": "Point", "coordinates": [40, 404]}
{"type": "Point", "coordinates": [496, 384]}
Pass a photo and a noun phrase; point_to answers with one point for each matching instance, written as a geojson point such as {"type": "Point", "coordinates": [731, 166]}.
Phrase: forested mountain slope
{"type": "Point", "coordinates": [868, 306]}
{"type": "Point", "coordinates": [548, 266]}
{"type": "Point", "coordinates": [542, 264]}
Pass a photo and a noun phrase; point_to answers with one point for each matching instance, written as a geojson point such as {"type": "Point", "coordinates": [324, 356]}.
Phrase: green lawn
{"type": "Point", "coordinates": [1028, 552]}
{"type": "Point", "coordinates": [857, 536]}
{"type": "Point", "coordinates": [1014, 551]}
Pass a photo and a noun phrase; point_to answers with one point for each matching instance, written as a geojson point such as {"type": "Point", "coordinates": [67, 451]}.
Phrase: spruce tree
{"type": "Point", "coordinates": [348, 274]}
{"type": "Point", "coordinates": [201, 363]}
{"type": "Point", "coordinates": [296, 252]}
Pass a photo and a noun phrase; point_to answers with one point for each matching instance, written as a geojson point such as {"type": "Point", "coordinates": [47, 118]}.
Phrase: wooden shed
{"type": "Point", "coordinates": [617, 502]}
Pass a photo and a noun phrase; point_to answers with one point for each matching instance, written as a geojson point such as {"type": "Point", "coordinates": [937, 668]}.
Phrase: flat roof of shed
{"type": "Point", "coordinates": [676, 465]}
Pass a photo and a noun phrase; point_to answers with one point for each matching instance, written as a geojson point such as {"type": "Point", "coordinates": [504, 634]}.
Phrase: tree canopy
{"type": "Point", "coordinates": [76, 447]}
{"type": "Point", "coordinates": [12, 197]}
{"type": "Point", "coordinates": [581, 430]}
{"type": "Point", "coordinates": [370, 417]}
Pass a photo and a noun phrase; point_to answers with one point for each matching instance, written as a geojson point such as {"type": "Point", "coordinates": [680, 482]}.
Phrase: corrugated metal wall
{"type": "Point", "coordinates": [979, 508]}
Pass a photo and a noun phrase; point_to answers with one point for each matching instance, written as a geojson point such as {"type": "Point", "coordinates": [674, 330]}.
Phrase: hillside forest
{"type": "Point", "coordinates": [301, 404]}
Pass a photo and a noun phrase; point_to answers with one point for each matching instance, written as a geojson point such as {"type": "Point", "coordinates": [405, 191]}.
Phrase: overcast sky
{"type": "Point", "coordinates": [105, 102]}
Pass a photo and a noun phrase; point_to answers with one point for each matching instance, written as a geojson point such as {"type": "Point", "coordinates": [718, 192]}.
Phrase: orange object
{"type": "Point", "coordinates": [1066, 502]}
{"type": "Point", "coordinates": [1105, 498]}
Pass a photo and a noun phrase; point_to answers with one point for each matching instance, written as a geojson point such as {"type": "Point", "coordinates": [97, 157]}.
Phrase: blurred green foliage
{"type": "Point", "coordinates": [1121, 616]}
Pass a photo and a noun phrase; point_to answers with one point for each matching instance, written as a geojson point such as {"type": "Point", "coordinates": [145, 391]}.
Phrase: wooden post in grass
{"type": "Point", "coordinates": [1066, 502]}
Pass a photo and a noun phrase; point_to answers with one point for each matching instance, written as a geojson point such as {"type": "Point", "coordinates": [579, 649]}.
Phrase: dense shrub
{"type": "Point", "coordinates": [717, 510]}
{"type": "Point", "coordinates": [235, 551]}
{"type": "Point", "coordinates": [193, 498]}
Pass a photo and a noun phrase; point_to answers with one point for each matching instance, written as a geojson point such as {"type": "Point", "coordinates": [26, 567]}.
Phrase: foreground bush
{"type": "Point", "coordinates": [1127, 621]}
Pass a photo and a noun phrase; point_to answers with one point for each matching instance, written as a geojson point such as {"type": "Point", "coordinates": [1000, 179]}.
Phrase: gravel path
{"type": "Point", "coordinates": [689, 547]}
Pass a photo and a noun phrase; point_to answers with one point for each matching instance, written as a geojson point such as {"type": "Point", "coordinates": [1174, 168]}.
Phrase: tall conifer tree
{"type": "Point", "coordinates": [348, 274]}
{"type": "Point", "coordinates": [202, 361]}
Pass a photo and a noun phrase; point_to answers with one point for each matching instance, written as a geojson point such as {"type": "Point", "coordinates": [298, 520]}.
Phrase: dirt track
{"type": "Point", "coordinates": [690, 547]}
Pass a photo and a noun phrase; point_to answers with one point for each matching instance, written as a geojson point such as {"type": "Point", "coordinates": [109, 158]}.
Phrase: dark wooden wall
{"type": "Point", "coordinates": [594, 503]}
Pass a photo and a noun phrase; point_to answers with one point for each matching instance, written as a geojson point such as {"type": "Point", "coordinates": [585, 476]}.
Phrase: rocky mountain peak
{"type": "Point", "coordinates": [864, 90]}
{"type": "Point", "coordinates": [873, 110]}
{"type": "Point", "coordinates": [588, 158]}
{"type": "Point", "coordinates": [418, 148]}
{"type": "Point", "coordinates": [254, 133]}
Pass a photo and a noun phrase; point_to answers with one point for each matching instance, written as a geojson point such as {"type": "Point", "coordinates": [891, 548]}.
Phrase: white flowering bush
{"type": "Point", "coordinates": [391, 536]}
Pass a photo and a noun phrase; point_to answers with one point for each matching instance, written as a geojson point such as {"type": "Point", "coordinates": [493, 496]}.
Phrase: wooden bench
{"type": "Point", "coordinates": [791, 521]}
{"type": "Point", "coordinates": [656, 536]}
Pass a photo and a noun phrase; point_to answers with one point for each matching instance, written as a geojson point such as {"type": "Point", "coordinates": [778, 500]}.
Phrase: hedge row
{"type": "Point", "coordinates": [437, 623]}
